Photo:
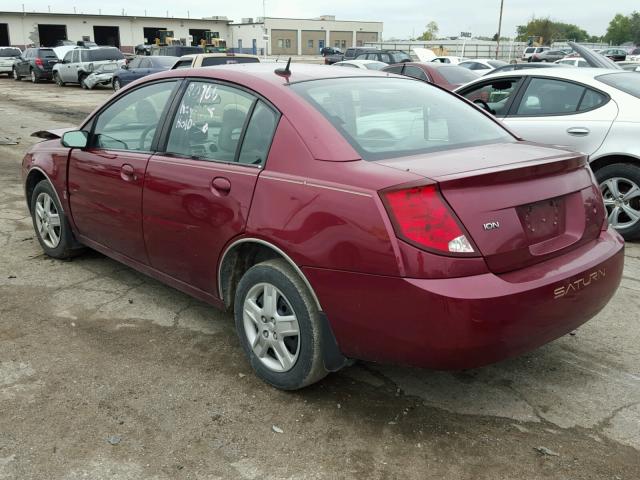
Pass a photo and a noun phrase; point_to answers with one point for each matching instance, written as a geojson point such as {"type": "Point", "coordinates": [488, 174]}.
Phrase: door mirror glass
{"type": "Point", "coordinates": [75, 139]}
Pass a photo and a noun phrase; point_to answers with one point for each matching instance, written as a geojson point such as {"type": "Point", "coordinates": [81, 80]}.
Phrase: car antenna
{"type": "Point", "coordinates": [284, 72]}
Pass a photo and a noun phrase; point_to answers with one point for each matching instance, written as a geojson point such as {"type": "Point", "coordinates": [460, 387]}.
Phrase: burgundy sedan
{"type": "Point", "coordinates": [339, 214]}
{"type": "Point", "coordinates": [442, 74]}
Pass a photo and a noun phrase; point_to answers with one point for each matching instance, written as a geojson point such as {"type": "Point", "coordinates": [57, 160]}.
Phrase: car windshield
{"type": "Point", "coordinates": [101, 54]}
{"type": "Point", "coordinates": [393, 117]}
{"type": "Point", "coordinates": [47, 53]}
{"type": "Point", "coordinates": [628, 82]}
{"type": "Point", "coordinates": [9, 52]}
{"type": "Point", "coordinates": [457, 75]}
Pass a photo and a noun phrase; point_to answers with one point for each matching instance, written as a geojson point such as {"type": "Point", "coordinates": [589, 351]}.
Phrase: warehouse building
{"type": "Point", "coordinates": [125, 32]}
{"type": "Point", "coordinates": [280, 36]}
{"type": "Point", "coordinates": [301, 36]}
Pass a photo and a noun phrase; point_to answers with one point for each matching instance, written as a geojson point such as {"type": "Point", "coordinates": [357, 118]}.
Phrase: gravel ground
{"type": "Point", "coordinates": [105, 373]}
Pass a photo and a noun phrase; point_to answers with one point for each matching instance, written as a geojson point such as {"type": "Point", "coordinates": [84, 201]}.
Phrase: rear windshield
{"type": "Point", "coordinates": [394, 117]}
{"type": "Point", "coordinates": [211, 61]}
{"type": "Point", "coordinates": [9, 52]}
{"type": "Point", "coordinates": [457, 75]}
{"type": "Point", "coordinates": [628, 82]}
{"type": "Point", "coordinates": [101, 54]}
{"type": "Point", "coordinates": [497, 63]}
{"type": "Point", "coordinates": [47, 53]}
{"type": "Point", "coordinates": [400, 57]}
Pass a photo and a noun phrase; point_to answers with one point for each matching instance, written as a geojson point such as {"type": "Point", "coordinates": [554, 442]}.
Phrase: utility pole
{"type": "Point", "coordinates": [499, 29]}
{"type": "Point", "coordinates": [264, 28]}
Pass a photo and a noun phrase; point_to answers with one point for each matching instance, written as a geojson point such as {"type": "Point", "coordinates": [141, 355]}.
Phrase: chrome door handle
{"type": "Point", "coordinates": [128, 173]}
{"type": "Point", "coordinates": [578, 131]}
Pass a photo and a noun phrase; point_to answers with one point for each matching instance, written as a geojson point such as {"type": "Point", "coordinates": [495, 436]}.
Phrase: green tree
{"type": "Point", "coordinates": [619, 30]}
{"type": "Point", "coordinates": [550, 31]}
{"type": "Point", "coordinates": [431, 32]}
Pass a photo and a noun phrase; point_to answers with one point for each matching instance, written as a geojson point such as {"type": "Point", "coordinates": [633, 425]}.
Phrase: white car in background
{"type": "Point", "coordinates": [449, 59]}
{"type": "Point", "coordinates": [362, 64]}
{"type": "Point", "coordinates": [573, 62]}
{"type": "Point", "coordinates": [482, 65]}
{"type": "Point", "coordinates": [531, 51]}
{"type": "Point", "coordinates": [591, 110]}
{"type": "Point", "coordinates": [8, 56]}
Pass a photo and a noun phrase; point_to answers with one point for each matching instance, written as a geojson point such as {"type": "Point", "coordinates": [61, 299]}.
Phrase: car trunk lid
{"type": "Point", "coordinates": [521, 203]}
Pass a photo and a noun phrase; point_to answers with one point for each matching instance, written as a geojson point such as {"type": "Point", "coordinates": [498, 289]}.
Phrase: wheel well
{"type": "Point", "coordinates": [35, 177]}
{"type": "Point", "coordinates": [611, 159]}
{"type": "Point", "coordinates": [235, 264]}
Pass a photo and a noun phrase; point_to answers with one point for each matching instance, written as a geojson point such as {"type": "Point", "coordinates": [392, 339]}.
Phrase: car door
{"type": "Point", "coordinates": [65, 68]}
{"type": "Point", "coordinates": [105, 179]}
{"type": "Point", "coordinates": [198, 192]}
{"type": "Point", "coordinates": [562, 112]}
{"type": "Point", "coordinates": [23, 63]}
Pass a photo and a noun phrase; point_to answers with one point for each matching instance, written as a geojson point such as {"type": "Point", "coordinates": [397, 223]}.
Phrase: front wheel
{"type": "Point", "coordinates": [620, 187]}
{"type": "Point", "coordinates": [279, 326]}
{"type": "Point", "coordinates": [16, 75]}
{"type": "Point", "coordinates": [81, 80]}
{"type": "Point", "coordinates": [116, 84]}
{"type": "Point", "coordinates": [50, 223]}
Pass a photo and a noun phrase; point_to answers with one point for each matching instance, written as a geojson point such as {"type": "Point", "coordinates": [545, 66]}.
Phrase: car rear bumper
{"type": "Point", "coordinates": [468, 322]}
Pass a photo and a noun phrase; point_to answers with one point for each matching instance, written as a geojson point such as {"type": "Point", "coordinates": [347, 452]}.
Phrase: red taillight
{"type": "Point", "coordinates": [422, 217]}
{"type": "Point", "coordinates": [39, 63]}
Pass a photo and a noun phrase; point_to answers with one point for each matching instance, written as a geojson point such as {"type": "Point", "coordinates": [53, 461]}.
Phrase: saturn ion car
{"type": "Point", "coordinates": [339, 213]}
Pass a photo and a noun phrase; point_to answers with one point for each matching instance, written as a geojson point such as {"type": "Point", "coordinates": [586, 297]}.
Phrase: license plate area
{"type": "Point", "coordinates": [543, 220]}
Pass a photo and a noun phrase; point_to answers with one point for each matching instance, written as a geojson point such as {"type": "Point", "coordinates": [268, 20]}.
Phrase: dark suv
{"type": "Point", "coordinates": [35, 63]}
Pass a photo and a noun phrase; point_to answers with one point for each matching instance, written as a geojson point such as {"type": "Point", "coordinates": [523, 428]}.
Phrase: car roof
{"type": "Point", "coordinates": [567, 73]}
{"type": "Point", "coordinates": [359, 62]}
{"type": "Point", "coordinates": [218, 54]}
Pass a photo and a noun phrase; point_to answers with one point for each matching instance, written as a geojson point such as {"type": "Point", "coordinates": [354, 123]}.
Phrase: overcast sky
{"type": "Point", "coordinates": [401, 17]}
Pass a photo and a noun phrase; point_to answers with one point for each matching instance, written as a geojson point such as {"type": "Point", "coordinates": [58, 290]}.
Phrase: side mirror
{"type": "Point", "coordinates": [75, 139]}
{"type": "Point", "coordinates": [124, 66]}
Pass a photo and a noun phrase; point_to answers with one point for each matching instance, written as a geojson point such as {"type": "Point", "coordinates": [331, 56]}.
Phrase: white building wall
{"type": "Point", "coordinates": [248, 31]}
{"type": "Point", "coordinates": [23, 29]}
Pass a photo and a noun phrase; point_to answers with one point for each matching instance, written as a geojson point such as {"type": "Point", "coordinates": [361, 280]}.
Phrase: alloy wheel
{"type": "Point", "coordinates": [15, 74]}
{"type": "Point", "coordinates": [48, 220]}
{"type": "Point", "coordinates": [271, 327]}
{"type": "Point", "coordinates": [622, 201]}
{"type": "Point", "coordinates": [34, 79]}
{"type": "Point", "coordinates": [116, 85]}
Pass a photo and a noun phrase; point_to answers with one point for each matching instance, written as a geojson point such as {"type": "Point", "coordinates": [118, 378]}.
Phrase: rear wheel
{"type": "Point", "coordinates": [57, 79]}
{"type": "Point", "coordinates": [279, 326]}
{"type": "Point", "coordinates": [81, 80]}
{"type": "Point", "coordinates": [33, 76]}
{"type": "Point", "coordinates": [16, 75]}
{"type": "Point", "coordinates": [620, 187]}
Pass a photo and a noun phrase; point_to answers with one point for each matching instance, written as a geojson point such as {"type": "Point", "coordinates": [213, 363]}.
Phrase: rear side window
{"type": "Point", "coordinates": [546, 96]}
{"type": "Point", "coordinates": [393, 117]}
{"type": "Point", "coordinates": [394, 69]}
{"type": "Point", "coordinates": [257, 140]}
{"type": "Point", "coordinates": [102, 54]}
{"type": "Point", "coordinates": [627, 82]}
{"type": "Point", "coordinates": [227, 60]}
{"type": "Point", "coordinates": [529, 50]}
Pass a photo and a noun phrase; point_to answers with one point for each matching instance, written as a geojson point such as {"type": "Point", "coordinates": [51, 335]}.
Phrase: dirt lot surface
{"type": "Point", "coordinates": [105, 373]}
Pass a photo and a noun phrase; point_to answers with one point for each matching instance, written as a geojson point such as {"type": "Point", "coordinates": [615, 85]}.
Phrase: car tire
{"type": "Point", "coordinates": [303, 359]}
{"type": "Point", "coordinates": [81, 80]}
{"type": "Point", "coordinates": [16, 76]}
{"type": "Point", "coordinates": [57, 79]}
{"type": "Point", "coordinates": [621, 178]}
{"type": "Point", "coordinates": [116, 84]}
{"type": "Point", "coordinates": [53, 233]}
{"type": "Point", "coordinates": [33, 76]}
